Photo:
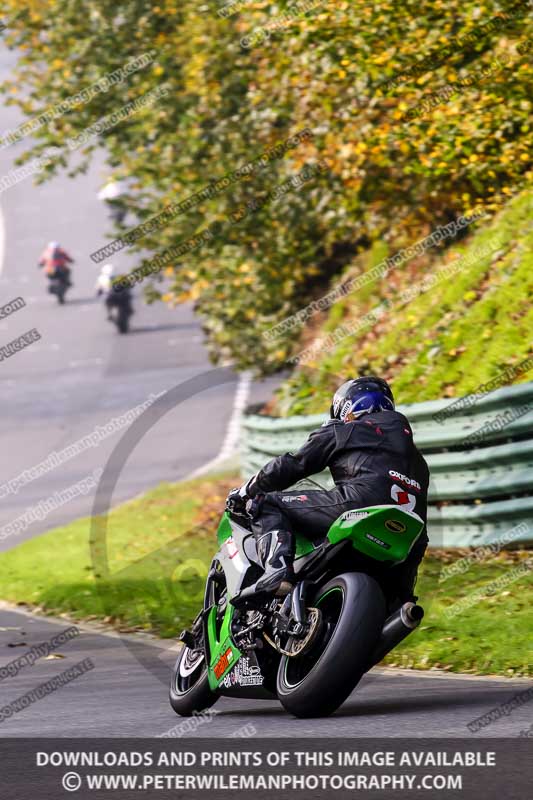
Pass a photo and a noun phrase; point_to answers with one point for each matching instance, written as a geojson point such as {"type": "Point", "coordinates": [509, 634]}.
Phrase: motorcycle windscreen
{"type": "Point", "coordinates": [383, 533]}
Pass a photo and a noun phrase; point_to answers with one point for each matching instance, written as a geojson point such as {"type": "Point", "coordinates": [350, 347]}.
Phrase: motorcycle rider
{"type": "Point", "coordinates": [104, 280]}
{"type": "Point", "coordinates": [369, 449]}
{"type": "Point", "coordinates": [111, 194]}
{"type": "Point", "coordinates": [105, 284]}
{"type": "Point", "coordinates": [55, 260]}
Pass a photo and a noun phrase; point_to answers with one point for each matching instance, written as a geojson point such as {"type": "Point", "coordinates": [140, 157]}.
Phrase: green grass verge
{"type": "Point", "coordinates": [446, 341]}
{"type": "Point", "coordinates": [492, 636]}
{"type": "Point", "coordinates": [160, 545]}
{"type": "Point", "coordinates": [145, 571]}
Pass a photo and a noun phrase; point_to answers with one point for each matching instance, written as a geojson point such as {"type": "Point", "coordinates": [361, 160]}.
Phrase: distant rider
{"type": "Point", "coordinates": [104, 280]}
{"type": "Point", "coordinates": [111, 193]}
{"type": "Point", "coordinates": [369, 449]}
{"type": "Point", "coordinates": [113, 298]}
{"type": "Point", "coordinates": [55, 261]}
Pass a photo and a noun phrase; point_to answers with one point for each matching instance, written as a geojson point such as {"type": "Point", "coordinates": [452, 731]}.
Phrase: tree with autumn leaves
{"type": "Point", "coordinates": [419, 112]}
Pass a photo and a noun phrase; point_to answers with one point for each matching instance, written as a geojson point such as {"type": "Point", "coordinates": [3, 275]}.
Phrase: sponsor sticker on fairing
{"type": "Point", "coordinates": [244, 674]}
{"type": "Point", "coordinates": [223, 663]}
{"type": "Point", "coordinates": [353, 516]}
{"type": "Point", "coordinates": [395, 526]}
{"type": "Point", "coordinates": [377, 541]}
{"type": "Point", "coordinates": [231, 547]}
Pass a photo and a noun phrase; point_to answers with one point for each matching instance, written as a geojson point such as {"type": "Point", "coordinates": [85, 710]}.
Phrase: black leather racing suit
{"type": "Point", "coordinates": [373, 461]}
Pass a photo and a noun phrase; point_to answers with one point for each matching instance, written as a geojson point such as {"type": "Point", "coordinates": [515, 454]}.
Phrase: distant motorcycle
{"type": "Point", "coordinates": [120, 315]}
{"type": "Point", "coordinates": [119, 309]}
{"type": "Point", "coordinates": [55, 262]}
{"type": "Point", "coordinates": [118, 303]}
{"type": "Point", "coordinates": [58, 285]}
{"type": "Point", "coordinates": [117, 213]}
{"type": "Point", "coordinates": [111, 194]}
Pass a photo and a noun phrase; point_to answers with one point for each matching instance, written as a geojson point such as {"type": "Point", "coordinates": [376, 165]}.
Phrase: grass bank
{"type": "Point", "coordinates": [143, 570]}
{"type": "Point", "coordinates": [433, 342]}
{"type": "Point", "coordinates": [147, 570]}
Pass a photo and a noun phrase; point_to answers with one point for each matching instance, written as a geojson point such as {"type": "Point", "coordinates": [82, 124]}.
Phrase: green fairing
{"type": "Point", "coordinates": [384, 534]}
{"type": "Point", "coordinates": [303, 546]}
{"type": "Point", "coordinates": [219, 645]}
{"type": "Point", "coordinates": [224, 528]}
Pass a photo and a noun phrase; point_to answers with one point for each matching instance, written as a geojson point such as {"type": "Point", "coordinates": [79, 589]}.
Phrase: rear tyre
{"type": "Point", "coordinates": [189, 685]}
{"type": "Point", "coordinates": [123, 321]}
{"type": "Point", "coordinates": [319, 681]}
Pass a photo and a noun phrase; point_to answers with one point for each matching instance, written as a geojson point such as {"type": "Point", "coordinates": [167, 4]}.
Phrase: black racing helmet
{"type": "Point", "coordinates": [361, 396]}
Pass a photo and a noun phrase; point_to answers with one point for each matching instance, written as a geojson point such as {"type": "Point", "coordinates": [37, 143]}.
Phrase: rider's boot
{"type": "Point", "coordinates": [276, 550]}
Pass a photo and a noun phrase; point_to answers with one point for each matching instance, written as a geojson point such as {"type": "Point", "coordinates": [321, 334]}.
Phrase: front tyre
{"type": "Point", "coordinates": [189, 685]}
{"type": "Point", "coordinates": [353, 611]}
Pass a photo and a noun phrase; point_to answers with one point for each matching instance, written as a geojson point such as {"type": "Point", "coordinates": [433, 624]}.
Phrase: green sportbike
{"type": "Point", "coordinates": [309, 645]}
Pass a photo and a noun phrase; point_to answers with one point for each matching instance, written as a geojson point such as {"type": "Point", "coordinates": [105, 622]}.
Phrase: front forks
{"type": "Point", "coordinates": [294, 623]}
{"type": "Point", "coordinates": [297, 616]}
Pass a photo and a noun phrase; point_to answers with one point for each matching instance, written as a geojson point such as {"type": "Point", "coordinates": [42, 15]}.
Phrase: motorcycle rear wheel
{"type": "Point", "coordinates": [316, 683]}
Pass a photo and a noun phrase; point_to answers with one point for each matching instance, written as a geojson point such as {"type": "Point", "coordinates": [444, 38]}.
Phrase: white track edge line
{"type": "Point", "coordinates": [231, 440]}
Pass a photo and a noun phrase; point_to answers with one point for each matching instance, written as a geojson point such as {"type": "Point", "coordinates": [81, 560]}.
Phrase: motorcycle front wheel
{"type": "Point", "coordinates": [353, 611]}
{"type": "Point", "coordinates": [189, 686]}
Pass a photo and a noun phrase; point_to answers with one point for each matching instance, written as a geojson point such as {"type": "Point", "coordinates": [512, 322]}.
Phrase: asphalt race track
{"type": "Point", "coordinates": [126, 694]}
{"type": "Point", "coordinates": [82, 374]}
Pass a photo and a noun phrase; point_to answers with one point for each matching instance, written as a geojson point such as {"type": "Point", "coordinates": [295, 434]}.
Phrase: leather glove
{"type": "Point", "coordinates": [243, 500]}
{"type": "Point", "coordinates": [253, 506]}
{"type": "Point", "coordinates": [236, 501]}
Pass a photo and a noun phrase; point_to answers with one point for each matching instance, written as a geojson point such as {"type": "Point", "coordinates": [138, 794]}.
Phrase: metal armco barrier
{"type": "Point", "coordinates": [480, 457]}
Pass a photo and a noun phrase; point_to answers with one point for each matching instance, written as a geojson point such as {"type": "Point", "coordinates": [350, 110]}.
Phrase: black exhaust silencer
{"type": "Point", "coordinates": [396, 628]}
